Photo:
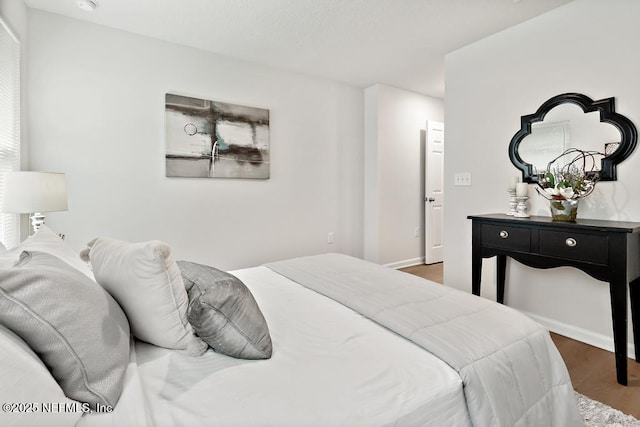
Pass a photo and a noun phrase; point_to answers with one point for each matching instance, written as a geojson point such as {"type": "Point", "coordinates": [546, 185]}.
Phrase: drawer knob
{"type": "Point", "coordinates": [571, 242]}
{"type": "Point", "coordinates": [504, 234]}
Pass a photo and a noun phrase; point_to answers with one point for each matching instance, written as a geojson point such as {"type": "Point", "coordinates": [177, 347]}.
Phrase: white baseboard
{"type": "Point", "coordinates": [405, 263]}
{"type": "Point", "coordinates": [604, 342]}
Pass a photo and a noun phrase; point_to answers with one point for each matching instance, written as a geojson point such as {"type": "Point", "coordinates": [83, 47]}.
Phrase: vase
{"type": "Point", "coordinates": [564, 209]}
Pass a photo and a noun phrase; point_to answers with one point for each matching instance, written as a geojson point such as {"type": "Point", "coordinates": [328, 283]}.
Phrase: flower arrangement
{"type": "Point", "coordinates": [574, 179]}
{"type": "Point", "coordinates": [568, 178]}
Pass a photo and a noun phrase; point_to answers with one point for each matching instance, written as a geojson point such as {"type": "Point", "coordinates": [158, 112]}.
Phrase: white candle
{"type": "Point", "coordinates": [522, 189]}
{"type": "Point", "coordinates": [512, 182]}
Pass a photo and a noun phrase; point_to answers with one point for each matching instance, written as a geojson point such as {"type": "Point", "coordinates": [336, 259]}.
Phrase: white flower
{"type": "Point", "coordinates": [566, 192]}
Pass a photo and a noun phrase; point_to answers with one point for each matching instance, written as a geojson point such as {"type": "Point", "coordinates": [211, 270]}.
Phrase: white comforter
{"type": "Point", "coordinates": [330, 367]}
{"type": "Point", "coordinates": [512, 372]}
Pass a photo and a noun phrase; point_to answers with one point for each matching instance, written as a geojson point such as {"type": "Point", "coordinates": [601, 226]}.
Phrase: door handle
{"type": "Point", "coordinates": [430, 199]}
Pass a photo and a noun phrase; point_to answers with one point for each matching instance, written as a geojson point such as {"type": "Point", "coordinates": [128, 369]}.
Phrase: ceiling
{"type": "Point", "coordinates": [400, 43]}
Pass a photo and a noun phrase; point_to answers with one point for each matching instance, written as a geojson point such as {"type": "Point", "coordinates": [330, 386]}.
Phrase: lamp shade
{"type": "Point", "coordinates": [29, 192]}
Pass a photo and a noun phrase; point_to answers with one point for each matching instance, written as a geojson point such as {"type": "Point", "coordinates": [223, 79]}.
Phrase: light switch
{"type": "Point", "coordinates": [462, 179]}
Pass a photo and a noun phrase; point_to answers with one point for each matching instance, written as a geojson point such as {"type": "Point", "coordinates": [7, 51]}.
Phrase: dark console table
{"type": "Point", "coordinates": [606, 250]}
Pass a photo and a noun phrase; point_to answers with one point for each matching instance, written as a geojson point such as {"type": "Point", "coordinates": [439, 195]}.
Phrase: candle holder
{"type": "Point", "coordinates": [521, 207]}
{"type": "Point", "coordinates": [513, 203]}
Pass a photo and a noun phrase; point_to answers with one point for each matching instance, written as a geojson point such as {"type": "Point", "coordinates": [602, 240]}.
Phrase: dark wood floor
{"type": "Point", "coordinates": [592, 369]}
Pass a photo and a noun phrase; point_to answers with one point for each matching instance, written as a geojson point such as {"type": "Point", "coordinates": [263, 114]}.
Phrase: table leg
{"type": "Point", "coordinates": [634, 296]}
{"type": "Point", "coordinates": [618, 291]}
{"type": "Point", "coordinates": [501, 265]}
{"type": "Point", "coordinates": [476, 273]}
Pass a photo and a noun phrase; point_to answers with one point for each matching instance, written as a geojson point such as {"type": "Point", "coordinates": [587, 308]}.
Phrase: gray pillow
{"type": "Point", "coordinates": [71, 323]}
{"type": "Point", "coordinates": [224, 314]}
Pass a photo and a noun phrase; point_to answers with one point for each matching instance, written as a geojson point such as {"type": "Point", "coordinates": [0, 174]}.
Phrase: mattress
{"type": "Point", "coordinates": [330, 367]}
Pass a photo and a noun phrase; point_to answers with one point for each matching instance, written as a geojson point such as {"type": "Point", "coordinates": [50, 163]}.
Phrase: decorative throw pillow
{"type": "Point", "coordinates": [223, 312]}
{"type": "Point", "coordinates": [46, 240]}
{"type": "Point", "coordinates": [145, 280]}
{"type": "Point", "coordinates": [74, 326]}
{"type": "Point", "coordinates": [26, 382]}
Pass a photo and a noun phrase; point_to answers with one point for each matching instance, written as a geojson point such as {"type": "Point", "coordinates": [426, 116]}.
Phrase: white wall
{"type": "Point", "coordinates": [395, 120]}
{"type": "Point", "coordinates": [96, 112]}
{"type": "Point", "coordinates": [586, 46]}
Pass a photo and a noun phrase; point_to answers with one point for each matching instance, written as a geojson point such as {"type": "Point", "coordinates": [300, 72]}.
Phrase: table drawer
{"type": "Point", "coordinates": [577, 246]}
{"type": "Point", "coordinates": [506, 237]}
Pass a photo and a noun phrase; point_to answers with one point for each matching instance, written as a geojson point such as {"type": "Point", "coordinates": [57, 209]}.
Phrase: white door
{"type": "Point", "coordinates": [434, 192]}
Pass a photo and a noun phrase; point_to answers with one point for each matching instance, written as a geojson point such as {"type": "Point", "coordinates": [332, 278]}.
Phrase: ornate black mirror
{"type": "Point", "coordinates": [572, 120]}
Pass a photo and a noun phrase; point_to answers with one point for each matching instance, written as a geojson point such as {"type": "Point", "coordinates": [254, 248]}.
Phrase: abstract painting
{"type": "Point", "coordinates": [210, 139]}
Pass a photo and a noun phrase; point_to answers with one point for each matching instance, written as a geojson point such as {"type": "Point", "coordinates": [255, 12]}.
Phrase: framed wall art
{"type": "Point", "coordinates": [210, 139]}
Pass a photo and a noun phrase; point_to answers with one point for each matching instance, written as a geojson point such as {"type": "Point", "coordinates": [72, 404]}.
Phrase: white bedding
{"type": "Point", "coordinates": [512, 373]}
{"type": "Point", "coordinates": [330, 366]}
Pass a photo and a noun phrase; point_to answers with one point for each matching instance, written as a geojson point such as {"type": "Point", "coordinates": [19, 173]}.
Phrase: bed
{"type": "Point", "coordinates": [350, 344]}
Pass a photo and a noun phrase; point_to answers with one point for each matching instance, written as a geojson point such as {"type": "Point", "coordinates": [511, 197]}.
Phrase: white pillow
{"type": "Point", "coordinates": [146, 281]}
{"type": "Point", "coordinates": [26, 380]}
{"type": "Point", "coordinates": [47, 241]}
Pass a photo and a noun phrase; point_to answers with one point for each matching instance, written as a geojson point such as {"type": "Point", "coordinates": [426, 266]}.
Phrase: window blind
{"type": "Point", "coordinates": [9, 125]}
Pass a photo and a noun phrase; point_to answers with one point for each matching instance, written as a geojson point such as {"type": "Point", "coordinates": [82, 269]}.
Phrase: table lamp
{"type": "Point", "coordinates": [34, 193]}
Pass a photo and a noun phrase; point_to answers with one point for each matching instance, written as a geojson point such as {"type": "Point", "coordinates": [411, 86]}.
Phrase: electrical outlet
{"type": "Point", "coordinates": [462, 179]}
{"type": "Point", "coordinates": [331, 238]}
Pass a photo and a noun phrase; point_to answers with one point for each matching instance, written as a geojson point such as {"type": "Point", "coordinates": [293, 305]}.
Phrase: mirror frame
{"type": "Point", "coordinates": [606, 107]}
